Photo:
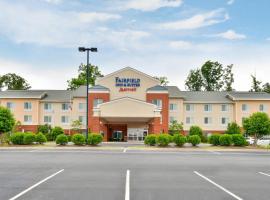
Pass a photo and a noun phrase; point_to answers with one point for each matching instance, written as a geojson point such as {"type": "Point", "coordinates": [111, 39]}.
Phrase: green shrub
{"type": "Point", "coordinates": [78, 139]}
{"type": "Point", "coordinates": [29, 138]}
{"type": "Point", "coordinates": [233, 128]}
{"type": "Point", "coordinates": [238, 140]}
{"type": "Point", "coordinates": [150, 139]}
{"type": "Point", "coordinates": [204, 139]}
{"type": "Point", "coordinates": [196, 130]}
{"type": "Point", "coordinates": [194, 140]}
{"type": "Point", "coordinates": [40, 138]}
{"type": "Point", "coordinates": [214, 139]}
{"type": "Point", "coordinates": [94, 139]}
{"type": "Point", "coordinates": [61, 139]}
{"type": "Point", "coordinates": [44, 129]}
{"type": "Point", "coordinates": [49, 136]}
{"type": "Point", "coordinates": [56, 131]}
{"type": "Point", "coordinates": [179, 140]}
{"type": "Point", "coordinates": [163, 140]}
{"type": "Point", "coordinates": [17, 138]}
{"type": "Point", "coordinates": [69, 138]}
{"type": "Point", "coordinates": [170, 138]}
{"type": "Point", "coordinates": [4, 138]}
{"type": "Point", "coordinates": [225, 140]}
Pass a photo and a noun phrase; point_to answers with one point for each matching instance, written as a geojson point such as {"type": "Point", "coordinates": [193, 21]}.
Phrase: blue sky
{"type": "Point", "coordinates": [39, 38]}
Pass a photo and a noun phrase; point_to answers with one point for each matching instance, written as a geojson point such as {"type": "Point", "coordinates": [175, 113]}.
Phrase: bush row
{"type": "Point", "coordinates": [179, 140]}
{"type": "Point", "coordinates": [79, 139]}
{"type": "Point", "coordinates": [27, 138]}
{"type": "Point", "coordinates": [227, 140]}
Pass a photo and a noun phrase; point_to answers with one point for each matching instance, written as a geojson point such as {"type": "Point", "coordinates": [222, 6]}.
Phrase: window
{"type": "Point", "coordinates": [244, 107]}
{"type": "Point", "coordinates": [27, 118]}
{"type": "Point", "coordinates": [64, 119]}
{"type": "Point", "coordinates": [47, 106]}
{"type": "Point", "coordinates": [157, 102]}
{"type": "Point", "coordinates": [172, 119]}
{"type": "Point", "coordinates": [82, 119]}
{"type": "Point", "coordinates": [48, 119]}
{"type": "Point", "coordinates": [189, 107]}
{"type": "Point", "coordinates": [97, 102]}
{"type": "Point", "coordinates": [65, 106]}
{"type": "Point", "coordinates": [262, 107]}
{"type": "Point", "coordinates": [224, 121]}
{"type": "Point", "coordinates": [224, 108]}
{"type": "Point", "coordinates": [207, 120]}
{"type": "Point", "coordinates": [207, 108]}
{"type": "Point", "coordinates": [189, 120]}
{"type": "Point", "coordinates": [82, 106]}
{"type": "Point", "coordinates": [10, 105]}
{"type": "Point", "coordinates": [27, 106]}
{"type": "Point", "coordinates": [173, 106]}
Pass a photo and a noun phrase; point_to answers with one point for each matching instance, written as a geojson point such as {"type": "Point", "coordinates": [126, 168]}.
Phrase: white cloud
{"type": "Point", "coordinates": [231, 35]}
{"type": "Point", "coordinates": [150, 5]}
{"type": "Point", "coordinates": [230, 2]}
{"type": "Point", "coordinates": [197, 21]}
{"type": "Point", "coordinates": [90, 17]}
{"type": "Point", "coordinates": [54, 1]}
{"type": "Point", "coordinates": [179, 44]}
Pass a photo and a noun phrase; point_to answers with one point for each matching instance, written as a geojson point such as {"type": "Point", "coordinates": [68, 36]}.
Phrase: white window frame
{"type": "Point", "coordinates": [158, 103]}
{"type": "Point", "coordinates": [191, 107]}
{"type": "Point", "coordinates": [97, 102]}
{"type": "Point", "coordinates": [66, 117]}
{"type": "Point", "coordinates": [227, 121]}
{"type": "Point", "coordinates": [247, 107]}
{"type": "Point", "coordinates": [172, 119]}
{"type": "Point", "coordinates": [173, 106]}
{"type": "Point", "coordinates": [29, 106]}
{"type": "Point", "coordinates": [83, 108]}
{"type": "Point", "coordinates": [226, 108]}
{"type": "Point", "coordinates": [68, 106]}
{"type": "Point", "coordinates": [12, 105]}
{"type": "Point", "coordinates": [82, 119]}
{"type": "Point", "coordinates": [28, 117]}
{"type": "Point", "coordinates": [263, 106]}
{"type": "Point", "coordinates": [209, 106]}
{"type": "Point", "coordinates": [49, 117]}
{"type": "Point", "coordinates": [49, 106]}
{"type": "Point", "coordinates": [209, 121]}
{"type": "Point", "coordinates": [191, 120]}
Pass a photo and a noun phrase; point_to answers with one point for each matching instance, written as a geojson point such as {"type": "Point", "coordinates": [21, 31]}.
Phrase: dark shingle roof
{"type": "Point", "coordinates": [248, 95]}
{"type": "Point", "coordinates": [157, 88]}
{"type": "Point", "coordinates": [34, 94]}
{"type": "Point", "coordinates": [174, 92]}
{"type": "Point", "coordinates": [205, 96]}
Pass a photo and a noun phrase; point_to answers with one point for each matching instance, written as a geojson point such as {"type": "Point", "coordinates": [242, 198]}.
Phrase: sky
{"type": "Point", "coordinates": [39, 39]}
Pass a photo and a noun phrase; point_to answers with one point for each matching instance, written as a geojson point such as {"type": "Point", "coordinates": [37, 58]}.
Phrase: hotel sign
{"type": "Point", "coordinates": [127, 84]}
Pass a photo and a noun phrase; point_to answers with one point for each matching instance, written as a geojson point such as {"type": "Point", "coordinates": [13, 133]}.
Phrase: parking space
{"type": "Point", "coordinates": [152, 175]}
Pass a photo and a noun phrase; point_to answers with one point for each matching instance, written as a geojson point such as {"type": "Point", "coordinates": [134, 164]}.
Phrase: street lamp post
{"type": "Point", "coordinates": [83, 49]}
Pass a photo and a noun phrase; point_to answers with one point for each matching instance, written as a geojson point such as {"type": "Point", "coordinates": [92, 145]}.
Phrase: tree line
{"type": "Point", "coordinates": [211, 76]}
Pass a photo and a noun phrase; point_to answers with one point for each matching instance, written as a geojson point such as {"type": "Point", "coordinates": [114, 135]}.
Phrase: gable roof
{"type": "Point", "coordinates": [125, 69]}
{"type": "Point", "coordinates": [248, 95]}
{"type": "Point", "coordinates": [98, 88]}
{"type": "Point", "coordinates": [157, 88]}
{"type": "Point", "coordinates": [21, 94]}
{"type": "Point", "coordinates": [174, 92]}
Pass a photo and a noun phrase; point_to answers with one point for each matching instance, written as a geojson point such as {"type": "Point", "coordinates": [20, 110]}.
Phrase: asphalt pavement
{"type": "Point", "coordinates": [133, 175]}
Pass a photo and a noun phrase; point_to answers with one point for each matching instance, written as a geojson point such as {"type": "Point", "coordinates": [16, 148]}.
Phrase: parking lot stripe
{"type": "Point", "coordinates": [127, 186]}
{"type": "Point", "coordinates": [264, 174]}
{"type": "Point", "coordinates": [125, 150]}
{"type": "Point", "coordinates": [215, 152]}
{"type": "Point", "coordinates": [219, 186]}
{"type": "Point", "coordinates": [37, 184]}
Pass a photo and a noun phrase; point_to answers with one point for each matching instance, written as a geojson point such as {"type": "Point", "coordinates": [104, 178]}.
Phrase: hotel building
{"type": "Point", "coordinates": [129, 104]}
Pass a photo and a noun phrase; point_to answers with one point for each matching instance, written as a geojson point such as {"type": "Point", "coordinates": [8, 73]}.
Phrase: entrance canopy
{"type": "Point", "coordinates": [127, 110]}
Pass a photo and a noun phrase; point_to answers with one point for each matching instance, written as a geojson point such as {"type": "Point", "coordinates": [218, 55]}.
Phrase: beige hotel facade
{"type": "Point", "coordinates": [128, 104]}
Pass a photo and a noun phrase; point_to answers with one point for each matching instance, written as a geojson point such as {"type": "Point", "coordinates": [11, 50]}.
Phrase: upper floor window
{"type": "Point", "coordinates": [207, 108]}
{"type": "Point", "coordinates": [64, 119]}
{"type": "Point", "coordinates": [47, 119]}
{"type": "Point", "coordinates": [65, 106]}
{"type": "Point", "coordinates": [244, 107]}
{"type": "Point", "coordinates": [189, 120]}
{"type": "Point", "coordinates": [27, 106]}
{"type": "Point", "coordinates": [10, 105]}
{"type": "Point", "coordinates": [97, 102]}
{"type": "Point", "coordinates": [207, 120]}
{"type": "Point", "coordinates": [173, 106]}
{"type": "Point", "coordinates": [262, 108]}
{"type": "Point", "coordinates": [157, 102]}
{"type": "Point", "coordinates": [224, 120]}
{"type": "Point", "coordinates": [172, 119]}
{"type": "Point", "coordinates": [189, 107]}
{"type": "Point", "coordinates": [82, 119]}
{"type": "Point", "coordinates": [82, 106]}
{"type": "Point", "coordinates": [27, 118]}
{"type": "Point", "coordinates": [47, 106]}
{"type": "Point", "coordinates": [224, 107]}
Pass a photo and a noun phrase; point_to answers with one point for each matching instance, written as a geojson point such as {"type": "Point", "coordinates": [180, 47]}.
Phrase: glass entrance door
{"type": "Point", "coordinates": [137, 134]}
{"type": "Point", "coordinates": [117, 135]}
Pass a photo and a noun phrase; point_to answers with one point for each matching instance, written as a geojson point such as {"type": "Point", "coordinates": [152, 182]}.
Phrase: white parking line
{"type": "Point", "coordinates": [219, 186]}
{"type": "Point", "coordinates": [124, 150]}
{"type": "Point", "coordinates": [214, 152]}
{"type": "Point", "coordinates": [127, 186]}
{"type": "Point", "coordinates": [264, 174]}
{"type": "Point", "coordinates": [37, 184]}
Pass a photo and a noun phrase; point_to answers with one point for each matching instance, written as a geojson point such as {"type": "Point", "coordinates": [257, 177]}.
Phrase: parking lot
{"type": "Point", "coordinates": [133, 174]}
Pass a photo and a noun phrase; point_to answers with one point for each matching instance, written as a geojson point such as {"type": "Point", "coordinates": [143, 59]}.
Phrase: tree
{"type": "Point", "coordinates": [212, 76]}
{"type": "Point", "coordinates": [175, 127]}
{"type": "Point", "coordinates": [257, 125]}
{"type": "Point", "coordinates": [12, 81]}
{"type": "Point", "coordinates": [228, 78]}
{"type": "Point", "coordinates": [256, 84]}
{"type": "Point", "coordinates": [196, 130]}
{"type": "Point", "coordinates": [163, 80]}
{"type": "Point", "coordinates": [266, 87]}
{"type": "Point", "coordinates": [7, 120]}
{"type": "Point", "coordinates": [194, 81]}
{"type": "Point", "coordinates": [76, 125]}
{"type": "Point", "coordinates": [233, 128]}
{"type": "Point", "coordinates": [80, 80]}
{"type": "Point", "coordinates": [45, 129]}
